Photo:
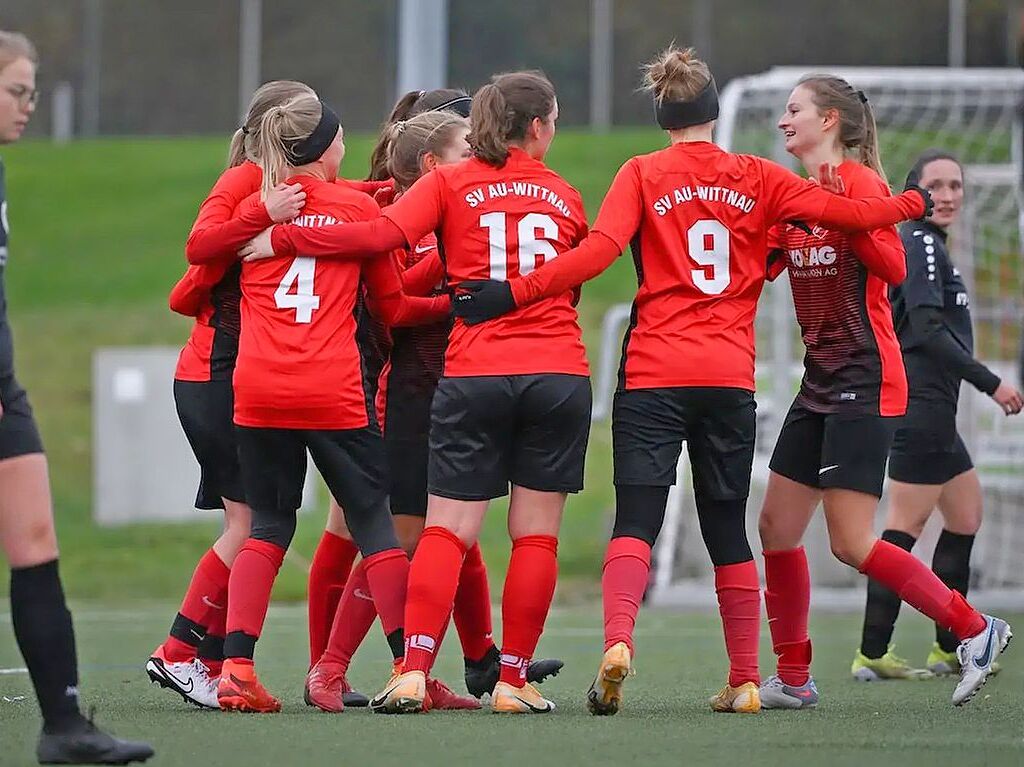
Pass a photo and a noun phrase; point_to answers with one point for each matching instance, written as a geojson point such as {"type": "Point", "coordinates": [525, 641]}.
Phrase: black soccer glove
{"type": "Point", "coordinates": [914, 182]}
{"type": "Point", "coordinates": [477, 301]}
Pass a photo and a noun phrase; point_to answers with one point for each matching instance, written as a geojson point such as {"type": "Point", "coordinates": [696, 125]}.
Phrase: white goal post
{"type": "Point", "coordinates": [977, 115]}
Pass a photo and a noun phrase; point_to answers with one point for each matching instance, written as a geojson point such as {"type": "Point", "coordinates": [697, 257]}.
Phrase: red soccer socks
{"type": "Point", "coordinates": [787, 598]}
{"type": "Point", "coordinates": [529, 588]}
{"type": "Point", "coordinates": [328, 574]}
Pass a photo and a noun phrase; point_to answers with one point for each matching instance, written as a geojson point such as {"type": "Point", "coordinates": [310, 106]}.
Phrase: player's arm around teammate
{"type": "Point", "coordinates": [699, 237]}
{"type": "Point", "coordinates": [836, 436]}
{"type": "Point", "coordinates": [298, 386]}
{"type": "Point", "coordinates": [929, 464]}
{"type": "Point", "coordinates": [42, 623]}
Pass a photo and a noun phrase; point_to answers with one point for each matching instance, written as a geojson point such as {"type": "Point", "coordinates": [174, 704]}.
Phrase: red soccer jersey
{"type": "Point", "coordinates": [697, 219]}
{"type": "Point", "coordinates": [298, 363]}
{"type": "Point", "coordinates": [212, 287]}
{"type": "Point", "coordinates": [497, 223]}
{"type": "Point", "coordinates": [840, 291]}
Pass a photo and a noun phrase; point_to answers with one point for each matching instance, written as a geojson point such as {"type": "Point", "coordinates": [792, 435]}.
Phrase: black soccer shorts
{"type": "Point", "coordinates": [205, 409]}
{"type": "Point", "coordinates": [19, 434]}
{"type": "Point", "coordinates": [406, 421]}
{"type": "Point", "coordinates": [488, 431]}
{"type": "Point", "coordinates": [927, 449]}
{"type": "Point", "coordinates": [834, 450]}
{"type": "Point", "coordinates": [717, 423]}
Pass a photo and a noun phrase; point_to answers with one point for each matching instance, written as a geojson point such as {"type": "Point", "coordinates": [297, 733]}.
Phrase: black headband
{"type": "Point", "coordinates": [459, 105]}
{"type": "Point", "coordinates": [312, 148]}
{"type": "Point", "coordinates": [673, 115]}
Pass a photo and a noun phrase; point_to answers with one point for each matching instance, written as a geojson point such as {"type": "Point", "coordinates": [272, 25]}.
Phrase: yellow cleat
{"type": "Point", "coordinates": [403, 694]}
{"type": "Point", "coordinates": [605, 693]}
{"type": "Point", "coordinates": [942, 663]}
{"type": "Point", "coordinates": [889, 666]}
{"type": "Point", "coordinates": [507, 699]}
{"type": "Point", "coordinates": [745, 699]}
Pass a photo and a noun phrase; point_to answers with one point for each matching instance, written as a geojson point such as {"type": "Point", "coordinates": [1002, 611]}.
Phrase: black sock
{"type": "Point", "coordinates": [396, 641]}
{"type": "Point", "coordinates": [211, 648]}
{"type": "Point", "coordinates": [42, 626]}
{"type": "Point", "coordinates": [238, 644]}
{"type": "Point", "coordinates": [883, 605]}
{"type": "Point", "coordinates": [952, 563]}
{"type": "Point", "coordinates": [490, 658]}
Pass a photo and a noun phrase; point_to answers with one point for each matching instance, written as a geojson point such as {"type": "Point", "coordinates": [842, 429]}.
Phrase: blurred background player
{"type": "Point", "coordinates": [697, 219]}
{"type": "Point", "coordinates": [298, 385]}
{"type": "Point", "coordinates": [189, 660]}
{"type": "Point", "coordinates": [508, 410]}
{"type": "Point", "coordinates": [836, 437]}
{"type": "Point", "coordinates": [929, 465]}
{"type": "Point", "coordinates": [42, 623]}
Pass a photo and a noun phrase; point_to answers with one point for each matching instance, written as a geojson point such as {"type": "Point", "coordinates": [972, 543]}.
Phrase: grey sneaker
{"type": "Point", "coordinates": [777, 694]}
{"type": "Point", "coordinates": [977, 655]}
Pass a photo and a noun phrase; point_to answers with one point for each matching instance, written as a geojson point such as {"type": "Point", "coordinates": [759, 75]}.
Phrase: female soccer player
{"type": "Point", "coordinates": [697, 219]}
{"type": "Point", "coordinates": [513, 405]}
{"type": "Point", "coordinates": [837, 434]}
{"type": "Point", "coordinates": [188, 661]}
{"type": "Point", "coordinates": [929, 464]}
{"type": "Point", "coordinates": [298, 385]}
{"type": "Point", "coordinates": [42, 623]}
{"type": "Point", "coordinates": [406, 388]}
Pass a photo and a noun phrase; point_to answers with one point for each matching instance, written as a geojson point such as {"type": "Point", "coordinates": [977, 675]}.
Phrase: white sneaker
{"type": "Point", "coordinates": [190, 679]}
{"type": "Point", "coordinates": [977, 655]}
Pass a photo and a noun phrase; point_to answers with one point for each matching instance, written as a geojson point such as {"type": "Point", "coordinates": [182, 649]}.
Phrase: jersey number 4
{"type": "Point", "coordinates": [707, 242]}
{"type": "Point", "coordinates": [535, 231]}
{"type": "Point", "coordinates": [300, 274]}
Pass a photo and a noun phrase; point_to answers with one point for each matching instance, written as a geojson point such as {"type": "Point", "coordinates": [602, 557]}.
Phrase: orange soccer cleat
{"type": "Point", "coordinates": [239, 689]}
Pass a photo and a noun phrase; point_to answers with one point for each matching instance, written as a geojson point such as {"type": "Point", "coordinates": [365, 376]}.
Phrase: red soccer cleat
{"type": "Point", "coordinates": [326, 687]}
{"type": "Point", "coordinates": [443, 698]}
{"type": "Point", "coordinates": [239, 689]}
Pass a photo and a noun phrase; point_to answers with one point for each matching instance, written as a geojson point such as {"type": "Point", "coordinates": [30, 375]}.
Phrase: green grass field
{"type": "Point", "coordinates": [664, 722]}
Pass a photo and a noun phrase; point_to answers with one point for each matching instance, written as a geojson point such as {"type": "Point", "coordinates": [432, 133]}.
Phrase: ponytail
{"type": "Point", "coordinates": [379, 157]}
{"type": "Point", "coordinates": [236, 152]}
{"type": "Point", "coordinates": [503, 110]}
{"type": "Point", "coordinates": [491, 124]}
{"type": "Point", "coordinates": [270, 148]}
{"type": "Point", "coordinates": [869, 153]}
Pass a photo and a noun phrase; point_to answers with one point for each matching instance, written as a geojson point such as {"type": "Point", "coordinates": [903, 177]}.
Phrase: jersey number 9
{"type": "Point", "coordinates": [707, 242]}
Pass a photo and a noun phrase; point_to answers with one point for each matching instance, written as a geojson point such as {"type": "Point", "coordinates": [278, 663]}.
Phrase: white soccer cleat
{"type": "Point", "coordinates": [190, 679]}
{"type": "Point", "coordinates": [977, 654]}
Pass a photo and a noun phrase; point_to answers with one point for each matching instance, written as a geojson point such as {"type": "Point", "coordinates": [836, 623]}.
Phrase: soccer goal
{"type": "Point", "coordinates": [975, 113]}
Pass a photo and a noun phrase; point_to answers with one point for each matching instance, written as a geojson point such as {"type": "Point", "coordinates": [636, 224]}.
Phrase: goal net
{"type": "Point", "coordinates": [975, 113]}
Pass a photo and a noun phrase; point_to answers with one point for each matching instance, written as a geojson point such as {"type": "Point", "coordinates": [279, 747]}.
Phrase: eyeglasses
{"type": "Point", "coordinates": [26, 97]}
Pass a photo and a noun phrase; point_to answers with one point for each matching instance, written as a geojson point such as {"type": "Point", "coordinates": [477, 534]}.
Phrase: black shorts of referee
{"type": "Point", "coordinates": [843, 450]}
{"type": "Point", "coordinates": [927, 449]}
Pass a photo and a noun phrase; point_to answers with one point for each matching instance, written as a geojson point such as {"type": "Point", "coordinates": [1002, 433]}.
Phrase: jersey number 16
{"type": "Point", "coordinates": [535, 231]}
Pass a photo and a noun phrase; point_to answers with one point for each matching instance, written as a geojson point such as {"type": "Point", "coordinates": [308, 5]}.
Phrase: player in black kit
{"type": "Point", "coordinates": [929, 464]}
{"type": "Point", "coordinates": [42, 623]}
